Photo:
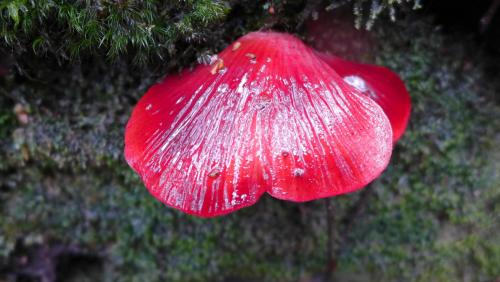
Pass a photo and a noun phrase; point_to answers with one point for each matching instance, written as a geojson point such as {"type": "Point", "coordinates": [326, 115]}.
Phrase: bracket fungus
{"type": "Point", "coordinates": [268, 116]}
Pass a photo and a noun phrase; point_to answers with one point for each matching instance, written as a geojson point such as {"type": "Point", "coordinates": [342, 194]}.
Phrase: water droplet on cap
{"type": "Point", "coordinates": [298, 172]}
{"type": "Point", "coordinates": [356, 82]}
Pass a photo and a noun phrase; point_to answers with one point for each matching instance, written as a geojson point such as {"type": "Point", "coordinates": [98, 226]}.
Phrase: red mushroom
{"type": "Point", "coordinates": [379, 83]}
{"type": "Point", "coordinates": [267, 116]}
{"type": "Point", "coordinates": [333, 33]}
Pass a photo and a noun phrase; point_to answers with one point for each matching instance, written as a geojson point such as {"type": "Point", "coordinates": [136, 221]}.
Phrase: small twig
{"type": "Point", "coordinates": [488, 16]}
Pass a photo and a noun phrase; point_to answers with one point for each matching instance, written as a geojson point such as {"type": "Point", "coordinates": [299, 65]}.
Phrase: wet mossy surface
{"type": "Point", "coordinates": [432, 215]}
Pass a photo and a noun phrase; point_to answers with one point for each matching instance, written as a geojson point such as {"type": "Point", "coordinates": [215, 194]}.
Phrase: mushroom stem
{"type": "Point", "coordinates": [347, 222]}
{"type": "Point", "coordinates": [355, 210]}
{"type": "Point", "coordinates": [331, 260]}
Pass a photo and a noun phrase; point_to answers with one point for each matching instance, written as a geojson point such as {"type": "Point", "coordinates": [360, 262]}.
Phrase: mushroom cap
{"type": "Point", "coordinates": [267, 116]}
{"type": "Point", "coordinates": [379, 83]}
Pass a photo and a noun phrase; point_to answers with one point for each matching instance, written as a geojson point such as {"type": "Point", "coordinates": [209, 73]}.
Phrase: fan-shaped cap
{"type": "Point", "coordinates": [380, 84]}
{"type": "Point", "coordinates": [267, 116]}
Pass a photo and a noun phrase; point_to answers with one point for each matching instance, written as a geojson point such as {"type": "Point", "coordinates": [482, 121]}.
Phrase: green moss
{"type": "Point", "coordinates": [149, 31]}
{"type": "Point", "coordinates": [145, 28]}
